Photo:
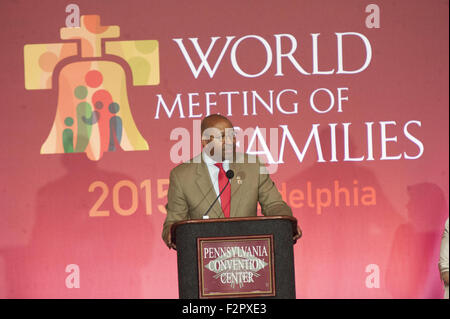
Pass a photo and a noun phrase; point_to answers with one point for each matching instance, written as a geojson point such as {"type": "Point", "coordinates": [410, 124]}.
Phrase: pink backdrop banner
{"type": "Point", "coordinates": [346, 101]}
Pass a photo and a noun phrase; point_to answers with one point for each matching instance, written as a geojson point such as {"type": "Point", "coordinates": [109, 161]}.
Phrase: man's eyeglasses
{"type": "Point", "coordinates": [228, 135]}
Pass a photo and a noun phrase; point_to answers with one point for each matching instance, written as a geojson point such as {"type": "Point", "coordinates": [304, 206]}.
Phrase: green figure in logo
{"type": "Point", "coordinates": [68, 136]}
{"type": "Point", "coordinates": [84, 111]}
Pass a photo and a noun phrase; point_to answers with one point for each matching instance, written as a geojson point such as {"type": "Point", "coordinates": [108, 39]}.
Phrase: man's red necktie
{"type": "Point", "coordinates": [225, 198]}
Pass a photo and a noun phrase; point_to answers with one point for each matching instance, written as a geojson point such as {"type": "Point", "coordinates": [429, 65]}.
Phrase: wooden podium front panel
{"type": "Point", "coordinates": [240, 266]}
{"type": "Point", "coordinates": [189, 232]}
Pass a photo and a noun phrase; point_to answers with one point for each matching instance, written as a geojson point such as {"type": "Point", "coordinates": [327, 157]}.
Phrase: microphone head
{"type": "Point", "coordinates": [230, 174]}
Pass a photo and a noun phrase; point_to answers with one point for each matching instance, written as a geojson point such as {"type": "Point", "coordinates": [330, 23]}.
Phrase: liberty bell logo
{"type": "Point", "coordinates": [93, 114]}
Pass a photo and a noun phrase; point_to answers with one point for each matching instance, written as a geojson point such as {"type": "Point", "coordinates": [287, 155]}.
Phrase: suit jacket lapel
{"type": "Point", "coordinates": [207, 189]}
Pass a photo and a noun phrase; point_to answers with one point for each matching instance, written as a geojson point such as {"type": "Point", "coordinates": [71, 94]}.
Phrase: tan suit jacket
{"type": "Point", "coordinates": [191, 192]}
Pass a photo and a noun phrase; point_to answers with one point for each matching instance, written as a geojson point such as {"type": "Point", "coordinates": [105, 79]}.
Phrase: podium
{"type": "Point", "coordinates": [250, 257]}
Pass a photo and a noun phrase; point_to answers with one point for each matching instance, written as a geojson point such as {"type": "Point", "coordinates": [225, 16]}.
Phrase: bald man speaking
{"type": "Point", "coordinates": [240, 180]}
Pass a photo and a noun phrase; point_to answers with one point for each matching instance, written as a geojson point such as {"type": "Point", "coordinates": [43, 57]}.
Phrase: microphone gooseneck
{"type": "Point", "coordinates": [230, 175]}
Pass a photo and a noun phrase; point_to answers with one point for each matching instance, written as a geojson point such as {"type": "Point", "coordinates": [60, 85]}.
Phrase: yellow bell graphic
{"type": "Point", "coordinates": [93, 114]}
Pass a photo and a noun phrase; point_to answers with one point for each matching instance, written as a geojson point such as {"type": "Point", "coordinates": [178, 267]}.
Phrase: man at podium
{"type": "Point", "coordinates": [220, 183]}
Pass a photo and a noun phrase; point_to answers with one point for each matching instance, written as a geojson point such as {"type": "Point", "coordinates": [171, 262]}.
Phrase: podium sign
{"type": "Point", "coordinates": [240, 266]}
{"type": "Point", "coordinates": [239, 257]}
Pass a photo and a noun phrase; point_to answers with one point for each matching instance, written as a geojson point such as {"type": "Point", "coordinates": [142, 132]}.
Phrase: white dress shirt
{"type": "Point", "coordinates": [214, 171]}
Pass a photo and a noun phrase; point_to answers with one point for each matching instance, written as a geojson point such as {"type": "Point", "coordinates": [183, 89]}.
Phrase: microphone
{"type": "Point", "coordinates": [230, 175]}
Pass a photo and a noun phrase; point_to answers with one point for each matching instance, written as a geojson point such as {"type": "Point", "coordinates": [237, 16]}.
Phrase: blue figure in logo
{"type": "Point", "coordinates": [115, 126]}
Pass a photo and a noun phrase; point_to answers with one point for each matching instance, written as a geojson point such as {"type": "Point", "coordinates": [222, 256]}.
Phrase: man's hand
{"type": "Point", "coordinates": [299, 234]}
{"type": "Point", "coordinates": [444, 276]}
{"type": "Point", "coordinates": [170, 244]}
